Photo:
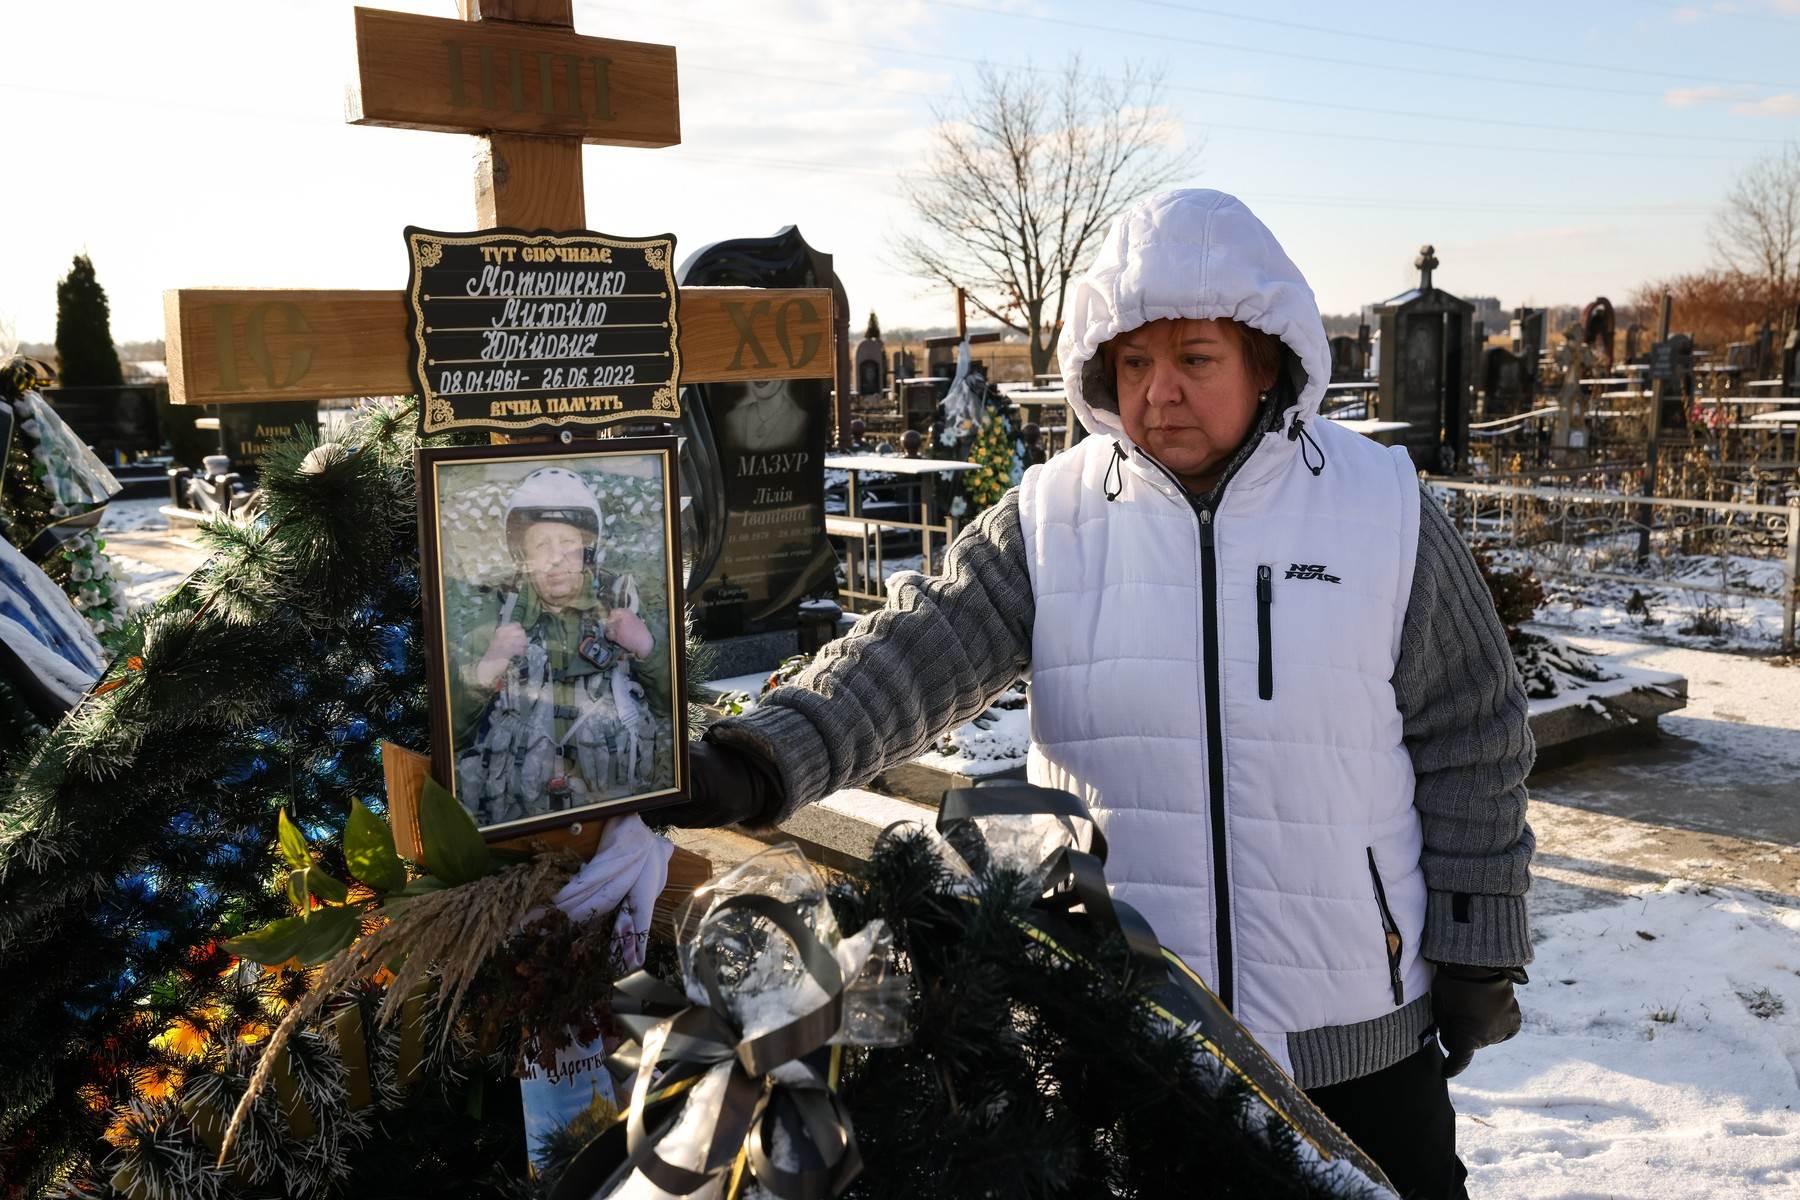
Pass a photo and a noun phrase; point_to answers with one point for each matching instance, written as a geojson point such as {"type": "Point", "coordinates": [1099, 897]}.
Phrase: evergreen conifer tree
{"type": "Point", "coordinates": [84, 346]}
{"type": "Point", "coordinates": [873, 333]}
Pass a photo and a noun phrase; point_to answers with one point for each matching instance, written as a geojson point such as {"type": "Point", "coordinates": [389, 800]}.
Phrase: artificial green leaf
{"type": "Point", "coordinates": [271, 945]}
{"type": "Point", "coordinates": [292, 842]}
{"type": "Point", "coordinates": [329, 930]}
{"type": "Point", "coordinates": [326, 886]}
{"type": "Point", "coordinates": [452, 845]}
{"type": "Point", "coordinates": [315, 881]}
{"type": "Point", "coordinates": [369, 850]}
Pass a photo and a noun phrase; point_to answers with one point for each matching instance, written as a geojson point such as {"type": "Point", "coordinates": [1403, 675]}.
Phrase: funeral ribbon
{"type": "Point", "coordinates": [1068, 880]}
{"type": "Point", "coordinates": [682, 1045]}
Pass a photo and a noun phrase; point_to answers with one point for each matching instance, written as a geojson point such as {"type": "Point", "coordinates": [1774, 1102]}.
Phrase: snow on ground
{"type": "Point", "coordinates": [1663, 609]}
{"type": "Point", "coordinates": [145, 583]}
{"type": "Point", "coordinates": [1658, 1065]}
{"type": "Point", "coordinates": [1738, 736]}
{"type": "Point", "coordinates": [122, 516]}
{"type": "Point", "coordinates": [995, 741]}
{"type": "Point", "coordinates": [151, 559]}
{"type": "Point", "coordinates": [1559, 675]}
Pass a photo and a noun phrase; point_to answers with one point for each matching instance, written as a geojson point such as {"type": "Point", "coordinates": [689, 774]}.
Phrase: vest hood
{"type": "Point", "coordinates": [1198, 254]}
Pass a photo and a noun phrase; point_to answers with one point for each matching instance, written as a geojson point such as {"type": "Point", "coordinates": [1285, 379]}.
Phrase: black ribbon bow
{"type": "Point", "coordinates": [687, 1042]}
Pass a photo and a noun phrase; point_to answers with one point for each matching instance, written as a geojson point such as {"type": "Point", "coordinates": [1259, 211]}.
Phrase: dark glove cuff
{"type": "Point", "coordinates": [764, 798]}
{"type": "Point", "coordinates": [1484, 974]}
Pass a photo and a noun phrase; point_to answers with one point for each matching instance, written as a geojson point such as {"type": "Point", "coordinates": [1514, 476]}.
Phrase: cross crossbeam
{"type": "Point", "coordinates": [516, 74]}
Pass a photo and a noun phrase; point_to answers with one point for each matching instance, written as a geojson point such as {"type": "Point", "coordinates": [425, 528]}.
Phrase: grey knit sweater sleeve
{"type": "Point", "coordinates": [1465, 711]}
{"type": "Point", "coordinates": [942, 648]}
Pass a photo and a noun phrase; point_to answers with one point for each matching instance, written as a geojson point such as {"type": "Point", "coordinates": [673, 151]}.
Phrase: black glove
{"type": "Point", "coordinates": [726, 786]}
{"type": "Point", "coordinates": [1474, 1007]}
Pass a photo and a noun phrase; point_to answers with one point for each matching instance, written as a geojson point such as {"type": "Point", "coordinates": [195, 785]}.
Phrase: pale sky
{"type": "Point", "coordinates": [202, 142]}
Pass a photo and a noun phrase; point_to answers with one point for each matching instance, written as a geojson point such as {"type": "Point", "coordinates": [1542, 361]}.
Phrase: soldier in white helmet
{"type": "Point", "coordinates": [559, 711]}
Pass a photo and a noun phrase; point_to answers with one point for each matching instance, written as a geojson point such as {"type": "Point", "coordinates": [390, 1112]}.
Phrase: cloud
{"type": "Point", "coordinates": [1714, 93]}
{"type": "Point", "coordinates": [1782, 104]}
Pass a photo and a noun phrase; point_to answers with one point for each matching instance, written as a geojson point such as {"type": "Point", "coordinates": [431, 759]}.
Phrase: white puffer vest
{"type": "Point", "coordinates": [1270, 838]}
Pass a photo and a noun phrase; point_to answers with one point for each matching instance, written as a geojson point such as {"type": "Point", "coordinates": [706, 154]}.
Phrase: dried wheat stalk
{"type": "Point", "coordinates": [454, 930]}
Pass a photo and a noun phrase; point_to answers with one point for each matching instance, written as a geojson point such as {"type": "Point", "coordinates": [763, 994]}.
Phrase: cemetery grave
{"type": "Point", "coordinates": [1634, 499]}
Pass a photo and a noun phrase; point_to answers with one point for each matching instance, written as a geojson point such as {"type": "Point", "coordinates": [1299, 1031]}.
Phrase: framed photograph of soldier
{"type": "Point", "coordinates": [550, 578]}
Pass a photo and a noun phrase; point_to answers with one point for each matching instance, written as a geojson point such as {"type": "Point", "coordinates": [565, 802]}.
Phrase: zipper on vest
{"type": "Point", "coordinates": [1392, 931]}
{"type": "Point", "coordinates": [1215, 756]}
{"type": "Point", "coordinates": [1215, 730]}
{"type": "Point", "coordinates": [1265, 655]}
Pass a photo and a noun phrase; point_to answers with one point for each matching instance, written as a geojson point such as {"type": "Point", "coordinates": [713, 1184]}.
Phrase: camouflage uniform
{"type": "Point", "coordinates": [564, 719]}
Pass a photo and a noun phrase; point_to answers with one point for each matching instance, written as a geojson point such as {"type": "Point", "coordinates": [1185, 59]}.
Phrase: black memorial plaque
{"type": "Point", "coordinates": [754, 461]}
{"type": "Point", "coordinates": [1672, 359]}
{"type": "Point", "coordinates": [513, 330]}
{"type": "Point", "coordinates": [249, 431]}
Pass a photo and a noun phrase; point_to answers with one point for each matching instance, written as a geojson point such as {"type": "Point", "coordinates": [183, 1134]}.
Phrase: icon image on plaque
{"type": "Point", "coordinates": [512, 330]}
{"type": "Point", "coordinates": [766, 417]}
{"type": "Point", "coordinates": [554, 613]}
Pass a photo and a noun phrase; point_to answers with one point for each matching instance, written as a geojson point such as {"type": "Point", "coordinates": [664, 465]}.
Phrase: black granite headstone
{"type": "Point", "coordinates": [247, 431]}
{"type": "Point", "coordinates": [1528, 343]}
{"type": "Point", "coordinates": [753, 464]}
{"type": "Point", "coordinates": [119, 423]}
{"type": "Point", "coordinates": [871, 367]}
{"type": "Point", "coordinates": [1503, 387]}
{"type": "Point", "coordinates": [1672, 364]}
{"type": "Point", "coordinates": [1427, 352]}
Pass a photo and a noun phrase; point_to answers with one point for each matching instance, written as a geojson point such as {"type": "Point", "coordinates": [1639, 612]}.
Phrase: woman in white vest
{"type": "Point", "coordinates": [1272, 673]}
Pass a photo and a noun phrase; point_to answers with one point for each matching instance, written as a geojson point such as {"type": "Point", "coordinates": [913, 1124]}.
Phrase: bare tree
{"type": "Point", "coordinates": [1026, 172]}
{"type": "Point", "coordinates": [1757, 232]}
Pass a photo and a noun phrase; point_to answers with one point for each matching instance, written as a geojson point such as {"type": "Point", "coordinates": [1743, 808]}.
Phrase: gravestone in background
{"type": "Point", "coordinates": [247, 431]}
{"type": "Point", "coordinates": [871, 367]}
{"type": "Point", "coordinates": [753, 465]}
{"type": "Point", "coordinates": [119, 423]}
{"type": "Point", "coordinates": [1672, 364]}
{"type": "Point", "coordinates": [905, 366]}
{"type": "Point", "coordinates": [1503, 386]}
{"type": "Point", "coordinates": [1597, 327]}
{"type": "Point", "coordinates": [1634, 342]}
{"type": "Point", "coordinates": [1790, 359]}
{"type": "Point", "coordinates": [1427, 358]}
{"type": "Point", "coordinates": [1528, 341]}
{"type": "Point", "coordinates": [941, 354]}
{"type": "Point", "coordinates": [1346, 364]}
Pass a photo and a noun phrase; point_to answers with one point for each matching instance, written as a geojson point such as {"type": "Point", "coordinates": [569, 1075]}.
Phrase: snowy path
{"type": "Point", "coordinates": [152, 558]}
{"type": "Point", "coordinates": [1716, 799]}
{"type": "Point", "coordinates": [1662, 1067]}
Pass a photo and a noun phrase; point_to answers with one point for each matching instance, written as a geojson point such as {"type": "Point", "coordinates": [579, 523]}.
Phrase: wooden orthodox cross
{"type": "Point", "coordinates": [515, 73]}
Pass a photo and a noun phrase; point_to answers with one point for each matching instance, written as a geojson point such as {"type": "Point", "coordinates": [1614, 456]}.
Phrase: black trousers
{"type": "Point", "coordinates": [1402, 1118]}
